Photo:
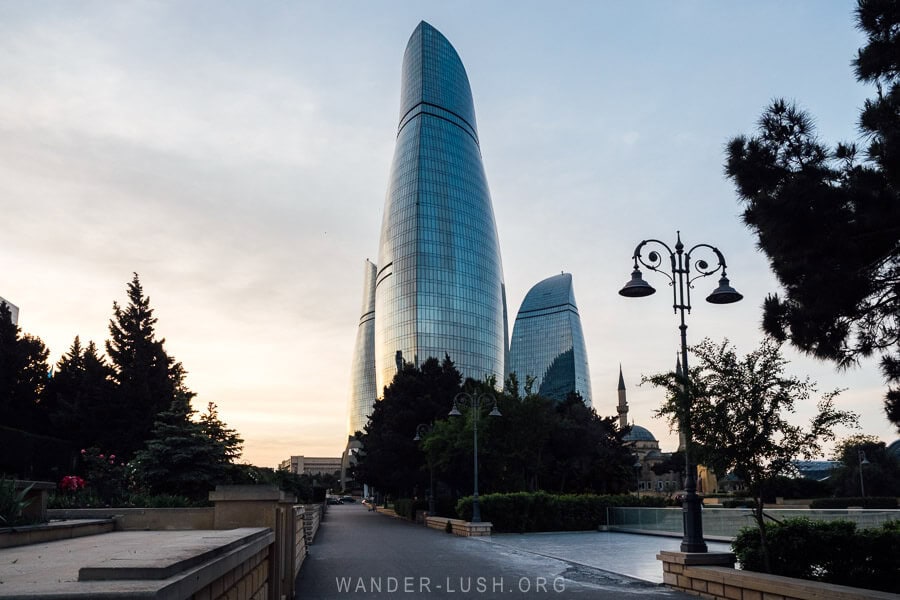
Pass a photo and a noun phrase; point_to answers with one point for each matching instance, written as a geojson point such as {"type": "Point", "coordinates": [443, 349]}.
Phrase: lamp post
{"type": "Point", "coordinates": [475, 401]}
{"type": "Point", "coordinates": [423, 429]}
{"type": "Point", "coordinates": [861, 455]}
{"type": "Point", "coordinates": [678, 272]}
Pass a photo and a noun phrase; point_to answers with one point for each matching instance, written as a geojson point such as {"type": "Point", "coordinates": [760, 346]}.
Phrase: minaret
{"type": "Point", "coordinates": [623, 404]}
{"type": "Point", "coordinates": [679, 374]}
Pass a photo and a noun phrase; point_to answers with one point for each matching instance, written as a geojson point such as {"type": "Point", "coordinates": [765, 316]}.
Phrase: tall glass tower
{"type": "Point", "coordinates": [548, 342]}
{"type": "Point", "coordinates": [439, 285]}
{"type": "Point", "coordinates": [363, 392]}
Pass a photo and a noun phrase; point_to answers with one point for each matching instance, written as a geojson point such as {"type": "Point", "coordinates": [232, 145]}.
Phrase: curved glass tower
{"type": "Point", "coordinates": [548, 342]}
{"type": "Point", "coordinates": [439, 287]}
{"type": "Point", "coordinates": [363, 392]}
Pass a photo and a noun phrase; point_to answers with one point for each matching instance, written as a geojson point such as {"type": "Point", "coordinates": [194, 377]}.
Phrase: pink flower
{"type": "Point", "coordinates": [101, 456]}
{"type": "Point", "coordinates": [83, 451]}
{"type": "Point", "coordinates": [112, 457]}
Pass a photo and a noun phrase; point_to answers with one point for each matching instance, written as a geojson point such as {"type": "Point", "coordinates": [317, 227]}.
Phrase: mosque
{"type": "Point", "coordinates": [647, 454]}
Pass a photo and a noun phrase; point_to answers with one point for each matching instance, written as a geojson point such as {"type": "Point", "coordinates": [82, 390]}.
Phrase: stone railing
{"type": "Point", "coordinates": [138, 519]}
{"type": "Point", "coordinates": [459, 527]}
{"type": "Point", "coordinates": [250, 545]}
{"type": "Point", "coordinates": [311, 520]}
{"type": "Point", "coordinates": [712, 575]}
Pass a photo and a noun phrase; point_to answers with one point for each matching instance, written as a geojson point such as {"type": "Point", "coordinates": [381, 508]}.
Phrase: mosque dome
{"type": "Point", "coordinates": [639, 434]}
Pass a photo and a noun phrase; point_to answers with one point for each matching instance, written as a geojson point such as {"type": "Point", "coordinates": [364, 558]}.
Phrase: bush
{"type": "Point", "coordinates": [520, 512]}
{"type": "Point", "coordinates": [828, 551]}
{"type": "Point", "coordinates": [869, 502]}
{"type": "Point", "coordinates": [12, 503]}
{"type": "Point", "coordinates": [407, 507]}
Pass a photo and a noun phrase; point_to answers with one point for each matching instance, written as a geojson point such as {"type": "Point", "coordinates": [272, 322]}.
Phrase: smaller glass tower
{"type": "Point", "coordinates": [548, 342]}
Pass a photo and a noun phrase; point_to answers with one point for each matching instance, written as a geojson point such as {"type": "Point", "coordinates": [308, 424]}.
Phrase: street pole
{"type": "Point", "coordinates": [475, 401]}
{"type": "Point", "coordinates": [681, 281]}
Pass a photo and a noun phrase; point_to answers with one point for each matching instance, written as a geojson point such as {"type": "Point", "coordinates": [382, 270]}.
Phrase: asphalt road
{"type": "Point", "coordinates": [361, 554]}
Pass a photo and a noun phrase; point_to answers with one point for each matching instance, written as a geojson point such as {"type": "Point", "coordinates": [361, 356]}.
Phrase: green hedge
{"type": "Point", "coordinates": [407, 507]}
{"type": "Point", "coordinates": [520, 512]}
{"type": "Point", "coordinates": [888, 502]}
{"type": "Point", "coordinates": [830, 551]}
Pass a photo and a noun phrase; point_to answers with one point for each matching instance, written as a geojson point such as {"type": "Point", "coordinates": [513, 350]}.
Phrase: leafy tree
{"type": "Point", "coordinates": [673, 463]}
{"type": "Point", "coordinates": [587, 450]}
{"type": "Point", "coordinates": [881, 476]}
{"type": "Point", "coordinates": [148, 379]}
{"type": "Point", "coordinates": [829, 218]}
{"type": "Point", "coordinates": [81, 392]}
{"type": "Point", "coordinates": [741, 410]}
{"type": "Point", "coordinates": [390, 459]}
{"type": "Point", "coordinates": [23, 376]}
{"type": "Point", "coordinates": [181, 458]}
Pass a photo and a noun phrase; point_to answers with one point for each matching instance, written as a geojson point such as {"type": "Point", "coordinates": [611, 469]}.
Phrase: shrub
{"type": "Point", "coordinates": [868, 502]}
{"type": "Point", "coordinates": [828, 551]}
{"type": "Point", "coordinates": [12, 502]}
{"type": "Point", "coordinates": [521, 512]}
{"type": "Point", "coordinates": [407, 507]}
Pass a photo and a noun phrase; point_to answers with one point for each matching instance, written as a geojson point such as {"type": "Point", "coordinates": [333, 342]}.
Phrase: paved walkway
{"type": "Point", "coordinates": [362, 554]}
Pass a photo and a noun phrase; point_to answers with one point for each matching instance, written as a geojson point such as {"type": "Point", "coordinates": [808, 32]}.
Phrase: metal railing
{"type": "Point", "coordinates": [727, 522]}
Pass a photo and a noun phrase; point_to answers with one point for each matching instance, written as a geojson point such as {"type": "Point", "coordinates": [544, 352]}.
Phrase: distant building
{"type": "Point", "coordinates": [819, 470]}
{"type": "Point", "coordinates": [309, 465]}
{"type": "Point", "coordinates": [13, 309]}
{"type": "Point", "coordinates": [363, 392]}
{"type": "Point", "coordinates": [646, 451]}
{"type": "Point", "coordinates": [548, 342]}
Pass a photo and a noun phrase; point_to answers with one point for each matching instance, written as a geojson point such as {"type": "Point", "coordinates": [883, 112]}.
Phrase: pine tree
{"type": "Point", "coordinates": [148, 379]}
{"type": "Point", "coordinates": [829, 219]}
{"type": "Point", "coordinates": [180, 458]}
{"type": "Point", "coordinates": [23, 377]}
{"type": "Point", "coordinates": [82, 391]}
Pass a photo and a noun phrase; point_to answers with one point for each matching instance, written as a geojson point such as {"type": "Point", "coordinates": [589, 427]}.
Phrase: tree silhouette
{"type": "Point", "coordinates": [829, 219]}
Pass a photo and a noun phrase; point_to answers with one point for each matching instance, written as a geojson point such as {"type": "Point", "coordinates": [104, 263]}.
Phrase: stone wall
{"type": "Point", "coordinates": [459, 527]}
{"type": "Point", "coordinates": [247, 581]}
{"type": "Point", "coordinates": [702, 574]}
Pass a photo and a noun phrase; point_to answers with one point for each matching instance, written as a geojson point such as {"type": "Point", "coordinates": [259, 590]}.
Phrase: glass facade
{"type": "Point", "coordinates": [439, 288]}
{"type": "Point", "coordinates": [548, 342]}
{"type": "Point", "coordinates": [363, 391]}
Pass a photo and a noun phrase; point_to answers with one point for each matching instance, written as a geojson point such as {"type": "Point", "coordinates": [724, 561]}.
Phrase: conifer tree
{"type": "Point", "coordinates": [148, 379]}
{"type": "Point", "coordinates": [23, 376]}
{"type": "Point", "coordinates": [82, 391]}
{"type": "Point", "coordinates": [180, 458]}
{"type": "Point", "coordinates": [829, 218]}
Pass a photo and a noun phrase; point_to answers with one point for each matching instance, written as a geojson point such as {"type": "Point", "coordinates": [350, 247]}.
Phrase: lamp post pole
{"type": "Point", "coordinates": [475, 401]}
{"type": "Point", "coordinates": [679, 276]}
{"type": "Point", "coordinates": [423, 429]}
{"type": "Point", "coordinates": [861, 455]}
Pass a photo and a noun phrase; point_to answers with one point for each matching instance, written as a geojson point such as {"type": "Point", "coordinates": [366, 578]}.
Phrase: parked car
{"type": "Point", "coordinates": [348, 499]}
{"type": "Point", "coordinates": [333, 500]}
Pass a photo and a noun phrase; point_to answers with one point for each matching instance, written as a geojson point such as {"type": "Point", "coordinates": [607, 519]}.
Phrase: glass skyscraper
{"type": "Point", "coordinates": [439, 283]}
{"type": "Point", "coordinates": [548, 342]}
{"type": "Point", "coordinates": [363, 393]}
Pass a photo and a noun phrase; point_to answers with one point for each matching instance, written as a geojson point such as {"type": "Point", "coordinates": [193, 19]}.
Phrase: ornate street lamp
{"type": "Point", "coordinates": [475, 401]}
{"type": "Point", "coordinates": [423, 429]}
{"type": "Point", "coordinates": [682, 281]}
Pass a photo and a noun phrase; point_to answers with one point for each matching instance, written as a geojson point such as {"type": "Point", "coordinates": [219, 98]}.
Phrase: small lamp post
{"type": "Point", "coordinates": [861, 455]}
{"type": "Point", "coordinates": [637, 474]}
{"type": "Point", "coordinates": [422, 430]}
{"type": "Point", "coordinates": [475, 401]}
{"type": "Point", "coordinates": [679, 275]}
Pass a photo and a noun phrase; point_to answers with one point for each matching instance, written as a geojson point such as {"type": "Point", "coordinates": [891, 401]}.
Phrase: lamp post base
{"type": "Point", "coordinates": [693, 524]}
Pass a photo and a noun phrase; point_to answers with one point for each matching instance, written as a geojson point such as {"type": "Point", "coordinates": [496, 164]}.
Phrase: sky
{"type": "Point", "coordinates": [235, 155]}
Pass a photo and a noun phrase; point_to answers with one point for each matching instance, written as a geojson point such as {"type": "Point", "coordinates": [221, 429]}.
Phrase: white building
{"type": "Point", "coordinates": [310, 465]}
{"type": "Point", "coordinates": [13, 309]}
